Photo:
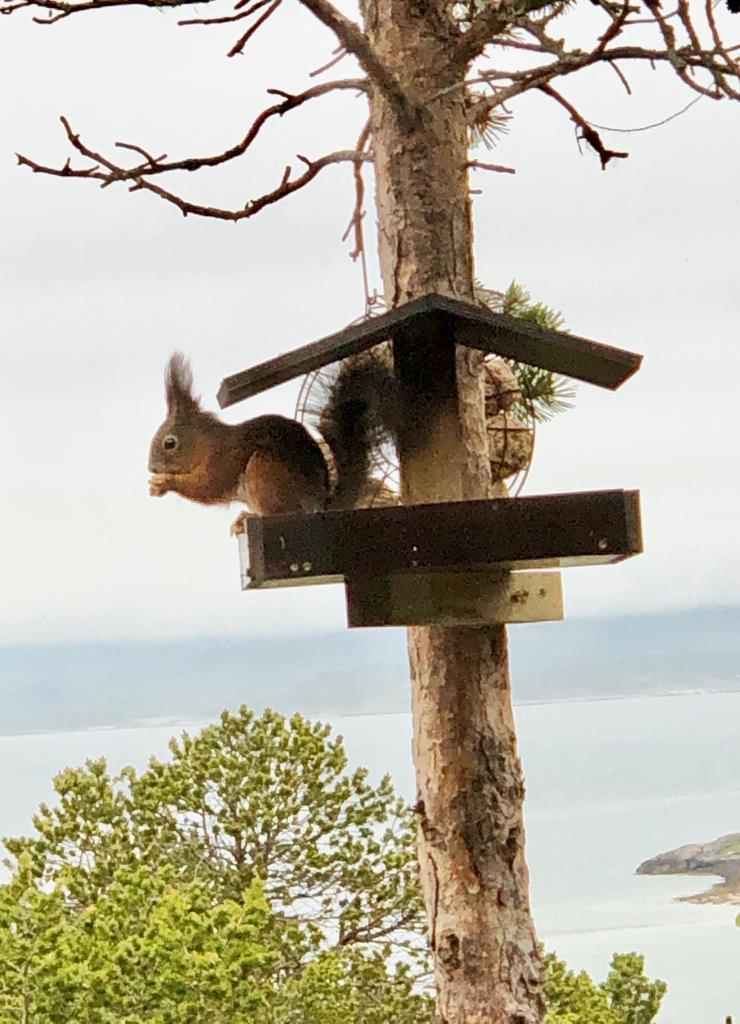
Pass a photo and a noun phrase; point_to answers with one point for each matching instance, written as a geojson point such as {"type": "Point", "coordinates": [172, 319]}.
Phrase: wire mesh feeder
{"type": "Point", "coordinates": [510, 423]}
{"type": "Point", "coordinates": [510, 419]}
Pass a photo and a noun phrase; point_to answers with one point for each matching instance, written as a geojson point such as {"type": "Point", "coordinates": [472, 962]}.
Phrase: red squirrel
{"type": "Point", "coordinates": [272, 463]}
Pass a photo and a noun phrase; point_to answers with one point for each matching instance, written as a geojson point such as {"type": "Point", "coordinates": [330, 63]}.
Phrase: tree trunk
{"type": "Point", "coordinates": [469, 783]}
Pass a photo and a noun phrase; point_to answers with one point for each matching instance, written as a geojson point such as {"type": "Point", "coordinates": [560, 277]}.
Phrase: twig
{"type": "Point", "coordinates": [499, 168]}
{"type": "Point", "coordinates": [239, 45]}
{"type": "Point", "coordinates": [65, 171]}
{"type": "Point", "coordinates": [655, 124]}
{"type": "Point", "coordinates": [622, 77]}
{"type": "Point", "coordinates": [588, 132]}
{"type": "Point", "coordinates": [615, 29]}
{"type": "Point", "coordinates": [507, 43]}
{"type": "Point", "coordinates": [142, 152]}
{"type": "Point", "coordinates": [356, 221]}
{"type": "Point", "coordinates": [228, 18]}
{"type": "Point", "coordinates": [340, 52]}
{"type": "Point", "coordinates": [651, 21]}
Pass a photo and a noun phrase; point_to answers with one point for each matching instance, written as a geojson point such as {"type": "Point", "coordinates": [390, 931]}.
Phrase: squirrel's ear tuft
{"type": "Point", "coordinates": [178, 383]}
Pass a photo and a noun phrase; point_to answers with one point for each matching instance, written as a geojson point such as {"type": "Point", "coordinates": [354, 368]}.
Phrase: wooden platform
{"type": "Point", "coordinates": [541, 532]}
{"type": "Point", "coordinates": [467, 323]}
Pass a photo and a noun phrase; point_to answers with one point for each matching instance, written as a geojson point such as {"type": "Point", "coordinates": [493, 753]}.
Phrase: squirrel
{"type": "Point", "coordinates": [272, 463]}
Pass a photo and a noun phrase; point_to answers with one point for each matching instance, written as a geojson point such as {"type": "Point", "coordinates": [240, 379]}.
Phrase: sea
{"type": "Point", "coordinates": [609, 783]}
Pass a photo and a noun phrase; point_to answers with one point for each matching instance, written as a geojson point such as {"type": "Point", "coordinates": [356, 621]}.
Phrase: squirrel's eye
{"type": "Point", "coordinates": [169, 442]}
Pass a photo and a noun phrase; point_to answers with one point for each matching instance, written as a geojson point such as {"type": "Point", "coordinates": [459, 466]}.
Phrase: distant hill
{"type": "Point", "coordinates": [76, 686]}
{"type": "Point", "coordinates": [720, 858]}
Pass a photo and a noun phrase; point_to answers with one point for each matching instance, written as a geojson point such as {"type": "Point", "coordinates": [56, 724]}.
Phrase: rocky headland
{"type": "Point", "coordinates": [720, 858]}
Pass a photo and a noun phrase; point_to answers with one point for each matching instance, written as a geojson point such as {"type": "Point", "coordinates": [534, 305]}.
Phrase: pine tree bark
{"type": "Point", "coordinates": [469, 782]}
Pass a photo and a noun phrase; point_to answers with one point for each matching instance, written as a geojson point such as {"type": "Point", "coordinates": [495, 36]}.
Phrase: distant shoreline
{"type": "Point", "coordinates": [558, 700]}
{"type": "Point", "coordinates": [178, 724]}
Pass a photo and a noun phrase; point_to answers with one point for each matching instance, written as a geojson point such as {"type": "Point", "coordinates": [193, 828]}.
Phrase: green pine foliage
{"type": "Point", "coordinates": [544, 393]}
{"type": "Point", "coordinates": [250, 879]}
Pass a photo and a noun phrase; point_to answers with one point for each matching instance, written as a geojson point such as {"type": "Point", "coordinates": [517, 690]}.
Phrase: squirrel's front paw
{"type": "Point", "coordinates": [240, 524]}
{"type": "Point", "coordinates": [158, 485]}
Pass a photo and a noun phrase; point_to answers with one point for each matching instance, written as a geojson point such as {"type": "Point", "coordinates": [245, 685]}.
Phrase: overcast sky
{"type": "Point", "coordinates": [98, 287]}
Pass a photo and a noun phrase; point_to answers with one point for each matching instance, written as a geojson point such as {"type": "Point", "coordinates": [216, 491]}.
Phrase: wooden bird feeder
{"type": "Point", "coordinates": [446, 562]}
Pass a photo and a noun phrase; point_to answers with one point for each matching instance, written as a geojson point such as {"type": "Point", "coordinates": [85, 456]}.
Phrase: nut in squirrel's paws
{"type": "Point", "coordinates": [240, 524]}
{"type": "Point", "coordinates": [158, 485]}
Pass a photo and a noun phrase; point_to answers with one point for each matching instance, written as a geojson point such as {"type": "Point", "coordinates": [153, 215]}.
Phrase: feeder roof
{"type": "Point", "coordinates": [470, 324]}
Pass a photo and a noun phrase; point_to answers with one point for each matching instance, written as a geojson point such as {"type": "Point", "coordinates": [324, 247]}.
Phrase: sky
{"type": "Point", "coordinates": [98, 287]}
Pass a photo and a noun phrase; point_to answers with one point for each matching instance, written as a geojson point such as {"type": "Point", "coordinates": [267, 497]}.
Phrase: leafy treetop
{"type": "Point", "coordinates": [249, 879]}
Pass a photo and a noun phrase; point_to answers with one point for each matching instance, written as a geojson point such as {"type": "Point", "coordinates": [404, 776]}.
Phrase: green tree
{"type": "Point", "coordinates": [248, 798]}
{"type": "Point", "coordinates": [31, 938]}
{"type": "Point", "coordinates": [631, 996]}
{"type": "Point", "coordinates": [626, 997]}
{"type": "Point", "coordinates": [250, 879]}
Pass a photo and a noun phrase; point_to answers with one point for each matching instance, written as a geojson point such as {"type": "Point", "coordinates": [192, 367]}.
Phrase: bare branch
{"type": "Point", "coordinates": [356, 224]}
{"type": "Point", "coordinates": [59, 9]}
{"type": "Point", "coordinates": [113, 173]}
{"type": "Point", "coordinates": [512, 43]}
{"type": "Point", "coordinates": [139, 177]}
{"type": "Point", "coordinates": [616, 27]}
{"type": "Point", "coordinates": [588, 132]}
{"type": "Point", "coordinates": [160, 165]}
{"type": "Point", "coordinates": [509, 84]}
{"type": "Point", "coordinates": [709, 68]}
{"type": "Point", "coordinates": [719, 46]}
{"type": "Point", "coordinates": [65, 171]}
{"type": "Point", "coordinates": [695, 52]}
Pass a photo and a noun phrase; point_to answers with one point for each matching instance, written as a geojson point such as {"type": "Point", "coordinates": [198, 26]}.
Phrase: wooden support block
{"type": "Point", "coordinates": [455, 599]}
{"type": "Point", "coordinates": [542, 532]}
{"type": "Point", "coordinates": [462, 322]}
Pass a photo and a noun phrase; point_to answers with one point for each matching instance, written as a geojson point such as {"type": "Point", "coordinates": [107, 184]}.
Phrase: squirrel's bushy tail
{"type": "Point", "coordinates": [358, 416]}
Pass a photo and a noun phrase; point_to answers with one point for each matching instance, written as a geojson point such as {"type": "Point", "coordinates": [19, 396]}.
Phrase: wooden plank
{"type": "Point", "coordinates": [454, 599]}
{"type": "Point", "coordinates": [546, 531]}
{"type": "Point", "coordinates": [472, 325]}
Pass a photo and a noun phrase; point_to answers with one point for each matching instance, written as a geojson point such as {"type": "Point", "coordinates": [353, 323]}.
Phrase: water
{"type": "Point", "coordinates": [609, 783]}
